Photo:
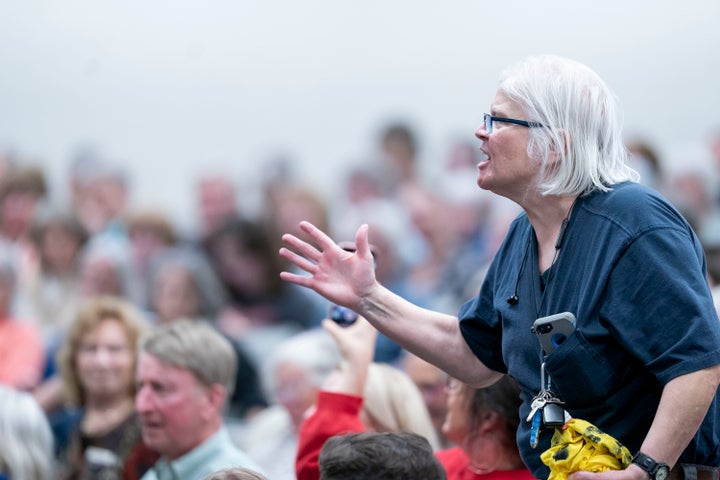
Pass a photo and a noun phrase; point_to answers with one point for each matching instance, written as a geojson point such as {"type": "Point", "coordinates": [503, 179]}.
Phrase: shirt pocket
{"type": "Point", "coordinates": [579, 375]}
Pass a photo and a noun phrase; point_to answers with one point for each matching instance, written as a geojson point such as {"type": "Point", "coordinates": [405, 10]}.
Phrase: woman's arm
{"type": "Point", "coordinates": [348, 278]}
{"type": "Point", "coordinates": [683, 405]}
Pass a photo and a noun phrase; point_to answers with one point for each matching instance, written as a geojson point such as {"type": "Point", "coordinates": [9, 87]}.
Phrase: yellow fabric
{"type": "Point", "coordinates": [581, 446]}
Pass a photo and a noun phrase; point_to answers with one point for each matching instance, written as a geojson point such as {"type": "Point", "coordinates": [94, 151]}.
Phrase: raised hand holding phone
{"type": "Point", "coordinates": [356, 343]}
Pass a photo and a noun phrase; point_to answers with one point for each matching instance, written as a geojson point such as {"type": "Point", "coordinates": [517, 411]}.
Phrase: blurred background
{"type": "Point", "coordinates": [170, 89]}
{"type": "Point", "coordinates": [154, 153]}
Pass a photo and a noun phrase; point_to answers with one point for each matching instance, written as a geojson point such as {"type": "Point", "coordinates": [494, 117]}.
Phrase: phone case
{"type": "Point", "coordinates": [553, 330]}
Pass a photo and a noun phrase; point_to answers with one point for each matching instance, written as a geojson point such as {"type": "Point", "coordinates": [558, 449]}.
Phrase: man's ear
{"type": "Point", "coordinates": [215, 396]}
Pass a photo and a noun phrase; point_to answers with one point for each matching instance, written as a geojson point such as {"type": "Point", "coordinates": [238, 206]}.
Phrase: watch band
{"type": "Point", "coordinates": [656, 470]}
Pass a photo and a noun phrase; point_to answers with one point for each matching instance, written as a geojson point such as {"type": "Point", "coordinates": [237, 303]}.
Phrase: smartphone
{"type": "Point", "coordinates": [553, 330]}
{"type": "Point", "coordinates": [343, 316]}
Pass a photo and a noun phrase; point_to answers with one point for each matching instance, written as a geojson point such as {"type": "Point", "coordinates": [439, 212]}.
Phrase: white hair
{"type": "Point", "coordinates": [582, 125]}
{"type": "Point", "coordinates": [313, 351]}
{"type": "Point", "coordinates": [27, 440]}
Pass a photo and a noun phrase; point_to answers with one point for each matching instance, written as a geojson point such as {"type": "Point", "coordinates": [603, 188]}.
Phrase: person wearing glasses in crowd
{"type": "Point", "coordinates": [643, 363]}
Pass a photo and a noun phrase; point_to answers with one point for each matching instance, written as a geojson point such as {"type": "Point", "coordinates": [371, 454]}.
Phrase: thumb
{"type": "Point", "coordinates": [361, 241]}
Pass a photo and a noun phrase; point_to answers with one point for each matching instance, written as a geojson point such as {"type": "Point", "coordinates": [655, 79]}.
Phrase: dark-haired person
{"type": "Point", "coordinates": [386, 455]}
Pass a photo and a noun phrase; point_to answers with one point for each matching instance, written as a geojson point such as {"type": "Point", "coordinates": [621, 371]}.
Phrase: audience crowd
{"type": "Point", "coordinates": [130, 348]}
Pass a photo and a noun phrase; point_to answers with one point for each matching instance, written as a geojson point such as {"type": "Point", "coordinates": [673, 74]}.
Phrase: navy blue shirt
{"type": "Point", "coordinates": [633, 273]}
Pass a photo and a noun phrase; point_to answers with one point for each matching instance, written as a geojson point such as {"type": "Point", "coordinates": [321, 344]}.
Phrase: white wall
{"type": "Point", "coordinates": [174, 87]}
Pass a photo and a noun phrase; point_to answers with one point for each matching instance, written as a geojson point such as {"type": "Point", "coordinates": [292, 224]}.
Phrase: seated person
{"type": "Point", "coordinates": [390, 456]}
{"type": "Point", "coordinates": [26, 448]}
{"type": "Point", "coordinates": [237, 473]}
{"type": "Point", "coordinates": [97, 365]}
{"type": "Point", "coordinates": [480, 421]}
{"type": "Point", "coordinates": [186, 372]}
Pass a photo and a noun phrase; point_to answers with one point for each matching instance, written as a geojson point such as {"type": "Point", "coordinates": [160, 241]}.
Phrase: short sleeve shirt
{"type": "Point", "coordinates": [633, 273]}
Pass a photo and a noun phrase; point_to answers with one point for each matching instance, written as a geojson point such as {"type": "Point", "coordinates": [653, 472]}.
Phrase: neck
{"type": "Point", "coordinates": [109, 404]}
{"type": "Point", "coordinates": [547, 216]}
{"type": "Point", "coordinates": [491, 455]}
{"type": "Point", "coordinates": [103, 414]}
{"type": "Point", "coordinates": [208, 430]}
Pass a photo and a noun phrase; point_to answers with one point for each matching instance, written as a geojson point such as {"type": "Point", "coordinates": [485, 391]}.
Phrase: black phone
{"type": "Point", "coordinates": [343, 316]}
{"type": "Point", "coordinates": [553, 330]}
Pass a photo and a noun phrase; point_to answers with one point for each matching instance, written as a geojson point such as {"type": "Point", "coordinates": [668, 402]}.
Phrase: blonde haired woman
{"type": "Point", "coordinates": [97, 363]}
{"type": "Point", "coordinates": [392, 402]}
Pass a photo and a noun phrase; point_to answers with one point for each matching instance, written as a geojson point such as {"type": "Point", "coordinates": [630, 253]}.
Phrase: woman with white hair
{"type": "Point", "coordinates": [26, 441]}
{"type": "Point", "coordinates": [643, 364]}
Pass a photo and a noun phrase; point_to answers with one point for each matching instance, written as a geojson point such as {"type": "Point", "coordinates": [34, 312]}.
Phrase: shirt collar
{"type": "Point", "coordinates": [183, 466]}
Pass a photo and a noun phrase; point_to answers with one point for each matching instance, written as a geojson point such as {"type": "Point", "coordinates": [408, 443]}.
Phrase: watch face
{"type": "Point", "coordinates": [662, 473]}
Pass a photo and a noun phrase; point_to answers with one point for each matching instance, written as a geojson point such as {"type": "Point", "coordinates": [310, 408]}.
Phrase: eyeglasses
{"type": "Point", "coordinates": [489, 119]}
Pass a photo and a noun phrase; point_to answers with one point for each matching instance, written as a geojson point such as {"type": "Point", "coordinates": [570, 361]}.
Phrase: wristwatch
{"type": "Point", "coordinates": [656, 470]}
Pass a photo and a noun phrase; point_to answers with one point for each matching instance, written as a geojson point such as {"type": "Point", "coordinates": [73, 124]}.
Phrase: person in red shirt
{"type": "Point", "coordinates": [480, 421]}
{"type": "Point", "coordinates": [22, 354]}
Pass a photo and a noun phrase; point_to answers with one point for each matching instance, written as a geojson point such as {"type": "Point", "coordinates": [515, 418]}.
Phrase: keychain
{"type": "Point", "coordinates": [546, 410]}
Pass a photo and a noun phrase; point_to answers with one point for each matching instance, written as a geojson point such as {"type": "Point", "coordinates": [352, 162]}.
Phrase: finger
{"type": "Point", "coordinates": [361, 241]}
{"type": "Point", "coordinates": [298, 260]}
{"type": "Point", "coordinates": [301, 246]}
{"type": "Point", "coordinates": [333, 329]}
{"type": "Point", "coordinates": [301, 280]}
{"type": "Point", "coordinates": [322, 240]}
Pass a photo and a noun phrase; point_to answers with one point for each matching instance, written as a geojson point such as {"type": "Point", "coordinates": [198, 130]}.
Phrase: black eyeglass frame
{"type": "Point", "coordinates": [489, 119]}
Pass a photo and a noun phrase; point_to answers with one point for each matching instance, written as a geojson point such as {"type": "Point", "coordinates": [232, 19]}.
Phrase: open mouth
{"type": "Point", "coordinates": [483, 157]}
{"type": "Point", "coordinates": [150, 425]}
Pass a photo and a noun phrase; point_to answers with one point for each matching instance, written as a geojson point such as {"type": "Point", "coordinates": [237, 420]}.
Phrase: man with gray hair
{"type": "Point", "coordinates": [186, 371]}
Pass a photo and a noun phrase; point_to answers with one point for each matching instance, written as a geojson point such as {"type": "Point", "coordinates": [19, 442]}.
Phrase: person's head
{"type": "Point", "coordinates": [393, 403]}
{"type": "Point", "coordinates": [183, 284]}
{"type": "Point", "coordinates": [21, 190]}
{"type": "Point", "coordinates": [236, 473]}
{"type": "Point", "coordinates": [244, 255]}
{"type": "Point", "coordinates": [574, 145]}
{"type": "Point", "coordinates": [98, 356]}
{"type": "Point", "coordinates": [299, 367]}
{"type": "Point", "coordinates": [186, 371]}
{"type": "Point", "coordinates": [296, 203]}
{"type": "Point", "coordinates": [59, 239]}
{"type": "Point", "coordinates": [643, 157]}
{"type": "Point", "coordinates": [217, 202]}
{"type": "Point", "coordinates": [483, 412]}
{"type": "Point", "coordinates": [103, 196]}
{"type": "Point", "coordinates": [105, 269]}
{"type": "Point", "coordinates": [149, 232]}
{"type": "Point", "coordinates": [26, 450]}
{"type": "Point", "coordinates": [399, 147]}
{"type": "Point", "coordinates": [431, 382]}
{"type": "Point", "coordinates": [390, 456]}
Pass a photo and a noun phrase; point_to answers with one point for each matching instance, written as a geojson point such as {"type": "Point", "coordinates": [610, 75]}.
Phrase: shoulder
{"type": "Point", "coordinates": [454, 461]}
{"type": "Point", "coordinates": [226, 454]}
{"type": "Point", "coordinates": [632, 206]}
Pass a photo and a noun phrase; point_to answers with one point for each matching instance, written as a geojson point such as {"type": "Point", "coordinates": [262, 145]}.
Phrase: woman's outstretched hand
{"type": "Point", "coordinates": [341, 276]}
